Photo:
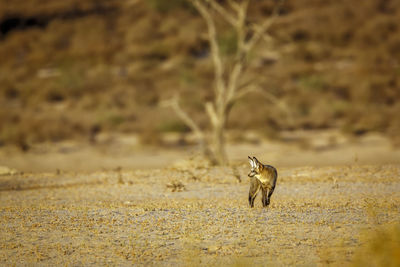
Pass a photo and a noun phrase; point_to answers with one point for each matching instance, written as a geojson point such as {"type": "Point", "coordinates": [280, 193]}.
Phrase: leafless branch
{"type": "Point", "coordinates": [215, 53]}
{"type": "Point", "coordinates": [211, 113]}
{"type": "Point", "coordinates": [245, 91]}
{"type": "Point", "coordinates": [227, 86]}
{"type": "Point", "coordinates": [233, 81]}
{"type": "Point", "coordinates": [253, 88]}
{"type": "Point", "coordinates": [201, 137]}
{"type": "Point", "coordinates": [241, 28]}
{"type": "Point", "coordinates": [174, 104]}
{"type": "Point", "coordinates": [234, 5]}
{"type": "Point", "coordinates": [225, 14]}
{"type": "Point", "coordinates": [241, 53]}
{"type": "Point", "coordinates": [261, 29]}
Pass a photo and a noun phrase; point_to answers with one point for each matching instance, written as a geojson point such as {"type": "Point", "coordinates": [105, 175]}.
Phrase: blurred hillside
{"type": "Point", "coordinates": [72, 69]}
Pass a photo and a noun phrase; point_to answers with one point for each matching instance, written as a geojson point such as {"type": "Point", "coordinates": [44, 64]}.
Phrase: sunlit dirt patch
{"type": "Point", "coordinates": [316, 216]}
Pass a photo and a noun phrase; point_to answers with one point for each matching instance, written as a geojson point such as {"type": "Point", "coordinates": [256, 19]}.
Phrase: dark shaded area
{"type": "Point", "coordinates": [17, 22]}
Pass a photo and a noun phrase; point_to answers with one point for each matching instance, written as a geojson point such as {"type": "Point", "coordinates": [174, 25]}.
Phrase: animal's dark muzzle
{"type": "Point", "coordinates": [251, 174]}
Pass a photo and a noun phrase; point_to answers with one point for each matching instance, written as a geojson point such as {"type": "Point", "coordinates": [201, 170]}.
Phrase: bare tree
{"type": "Point", "coordinates": [228, 87]}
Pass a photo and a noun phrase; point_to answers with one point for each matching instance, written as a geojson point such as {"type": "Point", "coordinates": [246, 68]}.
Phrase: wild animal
{"type": "Point", "coordinates": [262, 177]}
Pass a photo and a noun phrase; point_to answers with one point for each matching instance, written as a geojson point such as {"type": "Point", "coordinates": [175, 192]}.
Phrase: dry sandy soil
{"type": "Point", "coordinates": [191, 214]}
{"type": "Point", "coordinates": [317, 148]}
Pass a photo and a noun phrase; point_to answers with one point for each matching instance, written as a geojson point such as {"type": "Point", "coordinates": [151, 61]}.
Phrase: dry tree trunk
{"type": "Point", "coordinates": [227, 88]}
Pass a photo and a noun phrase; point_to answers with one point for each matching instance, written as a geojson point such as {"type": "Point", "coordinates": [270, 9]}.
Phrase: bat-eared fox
{"type": "Point", "coordinates": [261, 177]}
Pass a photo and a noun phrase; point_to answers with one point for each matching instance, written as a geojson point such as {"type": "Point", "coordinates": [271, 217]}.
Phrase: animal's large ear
{"type": "Point", "coordinates": [251, 162]}
{"type": "Point", "coordinates": [256, 163]}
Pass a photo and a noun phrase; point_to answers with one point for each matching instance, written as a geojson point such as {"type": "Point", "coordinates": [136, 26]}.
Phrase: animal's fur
{"type": "Point", "coordinates": [261, 177]}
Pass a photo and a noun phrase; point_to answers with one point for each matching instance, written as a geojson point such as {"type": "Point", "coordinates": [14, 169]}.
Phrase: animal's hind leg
{"type": "Point", "coordinates": [265, 197]}
{"type": "Point", "coordinates": [269, 195]}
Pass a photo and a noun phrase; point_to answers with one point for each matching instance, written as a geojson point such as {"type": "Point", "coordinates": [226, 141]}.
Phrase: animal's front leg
{"type": "Point", "coordinates": [254, 188]}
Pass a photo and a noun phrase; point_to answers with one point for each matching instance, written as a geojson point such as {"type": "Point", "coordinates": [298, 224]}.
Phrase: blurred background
{"type": "Point", "coordinates": [93, 73]}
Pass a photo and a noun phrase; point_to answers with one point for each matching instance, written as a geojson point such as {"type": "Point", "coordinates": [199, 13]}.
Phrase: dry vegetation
{"type": "Point", "coordinates": [77, 68]}
{"type": "Point", "coordinates": [346, 215]}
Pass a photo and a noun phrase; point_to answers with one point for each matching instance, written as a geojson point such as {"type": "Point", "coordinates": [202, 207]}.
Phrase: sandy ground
{"type": "Point", "coordinates": [182, 216]}
{"type": "Point", "coordinates": [66, 208]}
{"type": "Point", "coordinates": [325, 148]}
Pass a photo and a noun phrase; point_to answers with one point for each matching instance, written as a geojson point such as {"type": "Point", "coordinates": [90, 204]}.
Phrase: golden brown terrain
{"type": "Point", "coordinates": [192, 214]}
{"type": "Point", "coordinates": [95, 170]}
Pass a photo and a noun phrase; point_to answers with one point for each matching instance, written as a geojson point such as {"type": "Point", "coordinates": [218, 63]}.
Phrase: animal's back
{"type": "Point", "coordinates": [268, 176]}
